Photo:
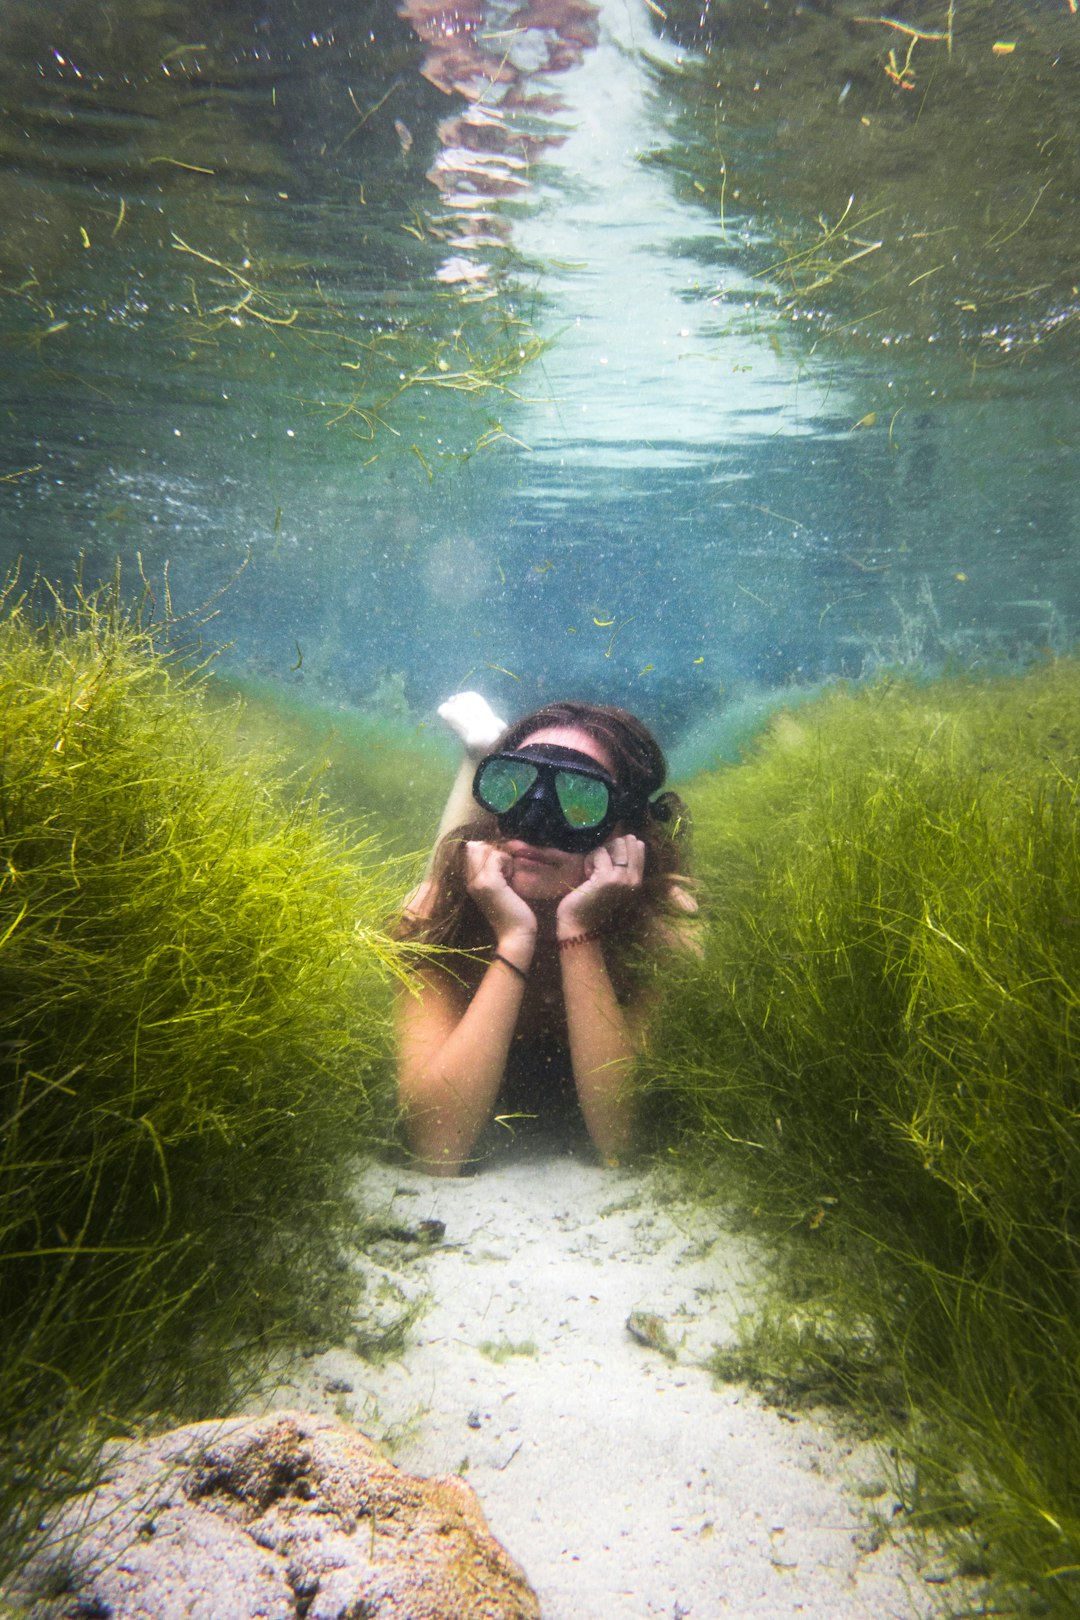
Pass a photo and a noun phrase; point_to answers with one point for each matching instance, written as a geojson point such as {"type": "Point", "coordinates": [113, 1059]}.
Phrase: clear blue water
{"type": "Point", "coordinates": [257, 267]}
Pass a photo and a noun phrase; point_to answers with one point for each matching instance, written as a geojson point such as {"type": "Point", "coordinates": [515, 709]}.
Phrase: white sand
{"type": "Point", "coordinates": [628, 1485]}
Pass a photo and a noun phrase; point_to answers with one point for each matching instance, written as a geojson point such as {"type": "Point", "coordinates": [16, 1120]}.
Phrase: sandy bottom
{"type": "Point", "coordinates": [625, 1481]}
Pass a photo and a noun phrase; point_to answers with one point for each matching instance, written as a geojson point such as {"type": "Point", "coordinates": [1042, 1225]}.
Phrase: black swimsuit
{"type": "Point", "coordinates": [537, 1110]}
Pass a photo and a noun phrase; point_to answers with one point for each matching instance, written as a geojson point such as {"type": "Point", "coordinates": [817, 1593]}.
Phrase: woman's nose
{"type": "Point", "coordinates": [535, 816]}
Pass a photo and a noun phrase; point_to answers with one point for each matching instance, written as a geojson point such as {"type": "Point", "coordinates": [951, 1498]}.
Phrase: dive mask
{"type": "Point", "coordinates": [551, 797]}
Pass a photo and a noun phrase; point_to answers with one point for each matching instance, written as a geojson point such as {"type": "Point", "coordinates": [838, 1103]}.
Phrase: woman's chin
{"type": "Point", "coordinates": [539, 878]}
{"type": "Point", "coordinates": [537, 887]}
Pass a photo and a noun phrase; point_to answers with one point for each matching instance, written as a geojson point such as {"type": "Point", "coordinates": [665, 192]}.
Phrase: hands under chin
{"type": "Point", "coordinates": [613, 875]}
{"type": "Point", "coordinates": [487, 877]}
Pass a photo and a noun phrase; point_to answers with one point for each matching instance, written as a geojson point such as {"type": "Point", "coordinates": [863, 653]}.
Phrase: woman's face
{"type": "Point", "coordinates": [549, 874]}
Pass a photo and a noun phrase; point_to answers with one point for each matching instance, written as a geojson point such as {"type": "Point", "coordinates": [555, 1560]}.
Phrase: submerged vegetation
{"type": "Point", "coordinates": [372, 767]}
{"type": "Point", "coordinates": [900, 176]}
{"type": "Point", "coordinates": [258, 227]}
{"type": "Point", "coordinates": [193, 984]}
{"type": "Point", "coordinates": [223, 254]}
{"type": "Point", "coordinates": [883, 1035]}
{"type": "Point", "coordinates": [878, 1043]}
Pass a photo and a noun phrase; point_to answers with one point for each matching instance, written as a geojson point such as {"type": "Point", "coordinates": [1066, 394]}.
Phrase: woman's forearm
{"type": "Point", "coordinates": [452, 1068]}
{"type": "Point", "coordinates": [602, 1047]}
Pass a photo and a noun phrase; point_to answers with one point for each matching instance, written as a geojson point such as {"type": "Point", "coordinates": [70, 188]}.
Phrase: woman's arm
{"type": "Point", "coordinates": [452, 1050]}
{"type": "Point", "coordinates": [471, 718]}
{"type": "Point", "coordinates": [603, 1046]}
{"type": "Point", "coordinates": [604, 1036]}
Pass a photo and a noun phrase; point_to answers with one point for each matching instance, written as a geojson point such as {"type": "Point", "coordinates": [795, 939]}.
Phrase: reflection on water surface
{"type": "Point", "coordinates": [666, 354]}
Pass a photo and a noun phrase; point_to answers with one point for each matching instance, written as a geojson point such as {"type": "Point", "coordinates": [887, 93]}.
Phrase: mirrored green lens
{"type": "Point", "coordinates": [582, 799]}
{"type": "Point", "coordinates": [504, 782]}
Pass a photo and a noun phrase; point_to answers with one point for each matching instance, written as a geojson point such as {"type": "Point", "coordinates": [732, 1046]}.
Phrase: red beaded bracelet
{"type": "Point", "coordinates": [580, 939]}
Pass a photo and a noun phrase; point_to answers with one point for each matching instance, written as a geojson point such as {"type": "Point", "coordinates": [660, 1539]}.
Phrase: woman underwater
{"type": "Point", "coordinates": [565, 888]}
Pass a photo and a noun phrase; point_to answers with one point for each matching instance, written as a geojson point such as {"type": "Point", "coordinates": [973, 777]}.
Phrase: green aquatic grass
{"type": "Point", "coordinates": [384, 769]}
{"type": "Point", "coordinates": [194, 985]}
{"type": "Point", "coordinates": [503, 1349]}
{"type": "Point", "coordinates": [907, 194]}
{"type": "Point", "coordinates": [883, 1035]}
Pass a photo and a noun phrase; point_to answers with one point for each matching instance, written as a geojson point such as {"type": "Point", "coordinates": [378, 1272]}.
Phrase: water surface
{"type": "Point", "coordinates": [661, 354]}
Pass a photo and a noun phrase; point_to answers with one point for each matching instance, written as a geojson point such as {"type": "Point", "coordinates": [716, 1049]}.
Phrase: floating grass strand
{"type": "Point", "coordinates": [455, 348]}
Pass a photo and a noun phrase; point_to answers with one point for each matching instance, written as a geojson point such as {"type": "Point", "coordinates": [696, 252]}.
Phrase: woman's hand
{"type": "Point", "coordinates": [487, 879]}
{"type": "Point", "coordinates": [613, 875]}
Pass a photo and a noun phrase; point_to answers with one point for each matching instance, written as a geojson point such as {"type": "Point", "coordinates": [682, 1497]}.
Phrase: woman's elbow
{"type": "Point", "coordinates": [432, 1138]}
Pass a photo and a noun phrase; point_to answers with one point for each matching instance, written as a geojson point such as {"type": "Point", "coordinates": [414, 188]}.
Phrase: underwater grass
{"type": "Point", "coordinates": [879, 165]}
{"type": "Point", "coordinates": [379, 768]}
{"type": "Point", "coordinates": [883, 1036]}
{"type": "Point", "coordinates": [193, 993]}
